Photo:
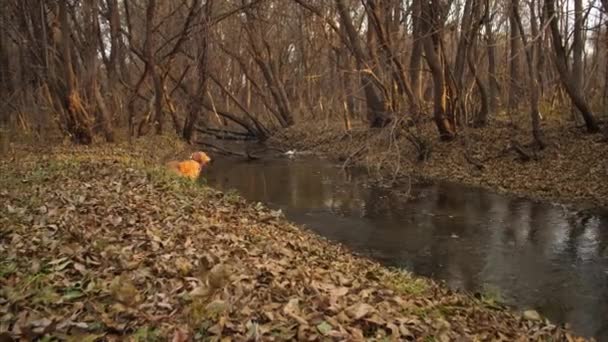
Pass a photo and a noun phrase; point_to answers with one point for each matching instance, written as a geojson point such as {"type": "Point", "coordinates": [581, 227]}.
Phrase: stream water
{"type": "Point", "coordinates": [530, 255]}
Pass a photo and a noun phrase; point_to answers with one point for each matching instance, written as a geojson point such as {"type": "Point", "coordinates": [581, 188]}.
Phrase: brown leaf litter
{"type": "Point", "coordinates": [96, 244]}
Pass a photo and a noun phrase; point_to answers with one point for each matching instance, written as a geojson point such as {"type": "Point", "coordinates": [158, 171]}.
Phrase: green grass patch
{"type": "Point", "coordinates": [404, 283]}
{"type": "Point", "coordinates": [7, 268]}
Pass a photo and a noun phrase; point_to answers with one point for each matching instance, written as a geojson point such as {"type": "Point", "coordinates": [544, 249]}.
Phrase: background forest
{"type": "Point", "coordinates": [242, 69]}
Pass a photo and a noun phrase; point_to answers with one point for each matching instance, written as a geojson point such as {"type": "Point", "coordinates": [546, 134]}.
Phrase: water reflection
{"type": "Point", "coordinates": [535, 254]}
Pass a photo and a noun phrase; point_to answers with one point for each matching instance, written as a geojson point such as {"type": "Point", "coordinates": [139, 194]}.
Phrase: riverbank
{"type": "Point", "coordinates": [572, 169]}
{"type": "Point", "coordinates": [101, 243]}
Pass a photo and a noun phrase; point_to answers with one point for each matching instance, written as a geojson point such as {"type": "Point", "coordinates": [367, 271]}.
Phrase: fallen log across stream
{"type": "Point", "coordinates": [222, 150]}
{"type": "Point", "coordinates": [221, 134]}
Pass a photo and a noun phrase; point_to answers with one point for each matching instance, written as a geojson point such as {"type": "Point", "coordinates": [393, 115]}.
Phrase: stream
{"type": "Point", "coordinates": [527, 254]}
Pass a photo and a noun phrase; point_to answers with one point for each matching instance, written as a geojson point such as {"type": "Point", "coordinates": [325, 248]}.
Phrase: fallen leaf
{"type": "Point", "coordinates": [359, 310]}
{"type": "Point", "coordinates": [80, 268]}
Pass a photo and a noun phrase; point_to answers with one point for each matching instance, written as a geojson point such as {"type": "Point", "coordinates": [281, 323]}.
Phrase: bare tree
{"type": "Point", "coordinates": [242, 69]}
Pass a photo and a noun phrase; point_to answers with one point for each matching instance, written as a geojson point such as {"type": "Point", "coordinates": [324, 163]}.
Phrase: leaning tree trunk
{"type": "Point", "coordinates": [376, 106]}
{"type": "Point", "coordinates": [267, 66]}
{"type": "Point", "coordinates": [394, 64]}
{"type": "Point", "coordinates": [566, 76]}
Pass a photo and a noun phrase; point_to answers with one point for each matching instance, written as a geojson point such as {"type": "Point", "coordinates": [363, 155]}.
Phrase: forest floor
{"type": "Point", "coordinates": [572, 169]}
{"type": "Point", "coordinates": [101, 243]}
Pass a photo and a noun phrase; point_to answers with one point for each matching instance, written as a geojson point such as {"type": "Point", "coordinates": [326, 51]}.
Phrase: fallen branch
{"type": "Point", "coordinates": [226, 135]}
{"type": "Point", "coordinates": [353, 155]}
{"type": "Point", "coordinates": [228, 152]}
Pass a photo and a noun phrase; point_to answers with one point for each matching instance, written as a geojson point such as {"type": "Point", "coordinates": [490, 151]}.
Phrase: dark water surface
{"type": "Point", "coordinates": [534, 255]}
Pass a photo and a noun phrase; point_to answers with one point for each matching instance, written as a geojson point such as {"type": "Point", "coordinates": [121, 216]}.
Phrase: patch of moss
{"type": "Point", "coordinates": [7, 268]}
{"type": "Point", "coordinates": [232, 196]}
{"type": "Point", "coordinates": [491, 295]}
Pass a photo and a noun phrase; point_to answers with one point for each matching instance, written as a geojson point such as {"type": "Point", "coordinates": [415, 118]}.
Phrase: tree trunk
{"type": "Point", "coordinates": [561, 62]}
{"type": "Point", "coordinates": [430, 38]}
{"type": "Point", "coordinates": [6, 88]}
{"type": "Point", "coordinates": [605, 97]}
{"type": "Point", "coordinates": [266, 65]}
{"type": "Point", "coordinates": [532, 81]}
{"type": "Point", "coordinates": [416, 57]}
{"type": "Point", "coordinates": [95, 99]}
{"type": "Point", "coordinates": [577, 50]}
{"type": "Point", "coordinates": [514, 56]}
{"type": "Point", "coordinates": [376, 107]}
{"type": "Point", "coordinates": [393, 63]}
{"type": "Point", "coordinates": [494, 89]}
{"type": "Point", "coordinates": [202, 74]}
{"type": "Point", "coordinates": [481, 118]}
{"type": "Point", "coordinates": [149, 53]}
{"type": "Point", "coordinates": [115, 45]}
{"type": "Point", "coordinates": [6, 83]}
{"type": "Point", "coordinates": [343, 65]}
{"type": "Point", "coordinates": [77, 119]}
{"type": "Point", "coordinates": [463, 47]}
{"type": "Point", "coordinates": [116, 63]}
{"type": "Point", "coordinates": [536, 22]}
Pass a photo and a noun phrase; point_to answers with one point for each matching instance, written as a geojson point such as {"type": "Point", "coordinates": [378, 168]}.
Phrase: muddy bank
{"type": "Point", "coordinates": [102, 244]}
{"type": "Point", "coordinates": [572, 169]}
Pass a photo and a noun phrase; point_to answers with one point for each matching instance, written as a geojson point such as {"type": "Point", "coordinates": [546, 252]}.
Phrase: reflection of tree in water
{"type": "Point", "coordinates": [549, 229]}
{"type": "Point", "coordinates": [590, 278]}
{"type": "Point", "coordinates": [540, 264]}
{"type": "Point", "coordinates": [603, 236]}
{"type": "Point", "coordinates": [380, 203]}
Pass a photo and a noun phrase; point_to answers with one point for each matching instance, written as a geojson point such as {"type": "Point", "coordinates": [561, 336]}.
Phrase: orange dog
{"type": "Point", "coordinates": [190, 168]}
